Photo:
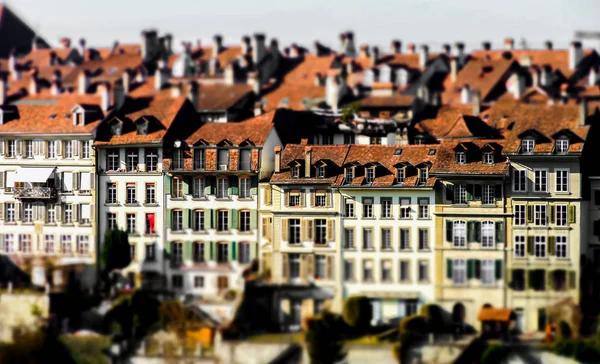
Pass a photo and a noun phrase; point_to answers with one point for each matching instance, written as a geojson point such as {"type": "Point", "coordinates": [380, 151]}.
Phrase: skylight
{"type": "Point", "coordinates": [112, 70]}
{"type": "Point", "coordinates": [431, 152]}
{"type": "Point", "coordinates": [285, 101]}
{"type": "Point", "coordinates": [52, 116]}
{"type": "Point", "coordinates": [398, 151]}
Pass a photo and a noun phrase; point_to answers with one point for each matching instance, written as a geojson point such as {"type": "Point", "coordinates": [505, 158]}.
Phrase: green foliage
{"type": "Point", "coordinates": [115, 251]}
{"type": "Point", "coordinates": [357, 312]}
{"type": "Point", "coordinates": [349, 111]}
{"type": "Point", "coordinates": [87, 349]}
{"type": "Point", "coordinates": [494, 354]}
{"type": "Point", "coordinates": [582, 350]}
{"type": "Point", "coordinates": [133, 316]}
{"type": "Point", "coordinates": [563, 330]}
{"type": "Point", "coordinates": [36, 310]}
{"type": "Point", "coordinates": [170, 348]}
{"type": "Point", "coordinates": [414, 323]}
{"type": "Point", "coordinates": [324, 338]}
{"type": "Point", "coordinates": [230, 295]}
{"type": "Point", "coordinates": [434, 317]}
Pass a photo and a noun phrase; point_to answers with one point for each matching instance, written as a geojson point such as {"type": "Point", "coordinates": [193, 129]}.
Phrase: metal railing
{"type": "Point", "coordinates": [34, 192]}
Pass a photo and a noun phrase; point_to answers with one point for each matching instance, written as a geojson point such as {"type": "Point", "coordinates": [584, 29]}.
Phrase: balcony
{"type": "Point", "coordinates": [35, 192]}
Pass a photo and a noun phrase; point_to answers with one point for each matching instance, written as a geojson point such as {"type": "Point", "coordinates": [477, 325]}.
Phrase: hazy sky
{"type": "Point", "coordinates": [434, 22]}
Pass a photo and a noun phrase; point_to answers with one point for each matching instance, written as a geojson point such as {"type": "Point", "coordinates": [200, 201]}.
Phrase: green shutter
{"type": "Point", "coordinates": [498, 192]}
{"type": "Point", "coordinates": [212, 250]}
{"type": "Point", "coordinates": [477, 192]}
{"type": "Point", "coordinates": [469, 192]}
{"type": "Point", "coordinates": [167, 184]}
{"type": "Point", "coordinates": [498, 269]}
{"type": "Point", "coordinates": [253, 219]}
{"type": "Point", "coordinates": [254, 185]}
{"type": "Point", "coordinates": [450, 192]}
{"type": "Point", "coordinates": [509, 275]}
{"type": "Point", "coordinates": [206, 247]}
{"type": "Point", "coordinates": [168, 247]}
{"type": "Point", "coordinates": [471, 231]}
{"type": "Point", "coordinates": [571, 214]}
{"type": "Point", "coordinates": [207, 186]}
{"type": "Point", "coordinates": [449, 268]}
{"type": "Point", "coordinates": [550, 248]}
{"type": "Point", "coordinates": [186, 218]}
{"type": "Point", "coordinates": [211, 216]}
{"type": "Point", "coordinates": [552, 213]}
{"type": "Point", "coordinates": [499, 231]}
{"type": "Point", "coordinates": [233, 186]}
{"type": "Point", "coordinates": [572, 277]}
{"type": "Point", "coordinates": [477, 229]}
{"type": "Point", "coordinates": [449, 230]}
{"type": "Point", "coordinates": [187, 250]}
{"type": "Point", "coordinates": [549, 280]}
{"type": "Point", "coordinates": [233, 219]}
{"type": "Point", "coordinates": [186, 185]}
{"type": "Point", "coordinates": [168, 218]}
{"type": "Point", "coordinates": [253, 250]}
{"type": "Point", "coordinates": [470, 268]}
{"type": "Point", "coordinates": [530, 245]}
{"type": "Point", "coordinates": [477, 263]}
{"type": "Point", "coordinates": [232, 251]}
{"type": "Point", "coordinates": [530, 278]}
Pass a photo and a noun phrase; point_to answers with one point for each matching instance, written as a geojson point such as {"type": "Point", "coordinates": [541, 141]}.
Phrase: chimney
{"type": "Point", "coordinates": [453, 69]}
{"type": "Point", "coordinates": [476, 97]}
{"type": "Point", "coordinates": [258, 108]}
{"type": "Point", "coordinates": [274, 48]}
{"type": "Point", "coordinates": [460, 49]}
{"type": "Point", "coordinates": [126, 79]}
{"type": "Point", "coordinates": [56, 87]}
{"type": "Point", "coordinates": [82, 48]}
{"type": "Point", "coordinates": [582, 111]}
{"type": "Point", "coordinates": [213, 66]}
{"type": "Point", "coordinates": [3, 88]}
{"type": "Point", "coordinates": [374, 56]}
{"type": "Point", "coordinates": [575, 54]}
{"type": "Point", "coordinates": [34, 43]}
{"type": "Point", "coordinates": [423, 55]}
{"type": "Point", "coordinates": [535, 76]}
{"type": "Point", "coordinates": [148, 43]}
{"type": "Point", "coordinates": [193, 93]}
{"type": "Point", "coordinates": [564, 90]}
{"type": "Point", "coordinates": [245, 45]}
{"type": "Point", "coordinates": [397, 46]}
{"type": "Point", "coordinates": [168, 43]}
{"type": "Point", "coordinates": [307, 161]}
{"type": "Point", "coordinates": [332, 91]}
{"type": "Point", "coordinates": [446, 49]}
{"type": "Point", "coordinates": [255, 82]}
{"type": "Point", "coordinates": [548, 45]}
{"type": "Point", "coordinates": [343, 42]}
{"type": "Point", "coordinates": [34, 84]}
{"type": "Point", "coordinates": [517, 85]}
{"type": "Point", "coordinates": [65, 42]}
{"type": "Point", "coordinates": [466, 95]}
{"type": "Point", "coordinates": [217, 45]}
{"type": "Point", "coordinates": [119, 95]}
{"type": "Point", "coordinates": [12, 65]}
{"type": "Point", "coordinates": [319, 79]}
{"type": "Point", "coordinates": [544, 76]}
{"type": "Point", "coordinates": [161, 76]}
{"type": "Point", "coordinates": [509, 44]}
{"type": "Point", "coordinates": [364, 51]}
{"type": "Point", "coordinates": [277, 152]}
{"type": "Point", "coordinates": [486, 45]}
{"type": "Point", "coordinates": [258, 47]}
{"type": "Point", "coordinates": [53, 61]}
{"type": "Point", "coordinates": [83, 82]}
{"type": "Point", "coordinates": [593, 76]}
{"type": "Point", "coordinates": [104, 93]}
{"type": "Point", "coordinates": [287, 52]}
{"type": "Point", "coordinates": [350, 50]}
{"type": "Point", "coordinates": [229, 74]}
{"type": "Point", "coordinates": [411, 48]}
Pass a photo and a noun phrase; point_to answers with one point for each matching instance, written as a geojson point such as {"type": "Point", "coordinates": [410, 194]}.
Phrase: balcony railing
{"type": "Point", "coordinates": [35, 192]}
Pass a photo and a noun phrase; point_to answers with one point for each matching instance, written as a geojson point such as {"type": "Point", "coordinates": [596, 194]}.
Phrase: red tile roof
{"type": "Point", "coordinates": [218, 97]}
{"type": "Point", "coordinates": [393, 101]}
{"type": "Point", "coordinates": [294, 97]}
{"type": "Point", "coordinates": [255, 130]}
{"type": "Point", "coordinates": [305, 73]}
{"type": "Point", "coordinates": [445, 162]}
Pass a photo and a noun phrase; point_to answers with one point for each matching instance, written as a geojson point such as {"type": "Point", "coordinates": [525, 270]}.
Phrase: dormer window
{"type": "Point", "coordinates": [116, 129]}
{"type": "Point", "coordinates": [349, 175]}
{"type": "Point", "coordinates": [296, 171]}
{"type": "Point", "coordinates": [370, 175]}
{"type": "Point", "coordinates": [321, 171]}
{"type": "Point", "coordinates": [562, 146]}
{"type": "Point", "coordinates": [142, 127]}
{"type": "Point", "coordinates": [178, 159]}
{"type": "Point", "coordinates": [78, 118]}
{"type": "Point", "coordinates": [400, 175]}
{"type": "Point", "coordinates": [488, 158]}
{"type": "Point", "coordinates": [423, 175]}
{"type": "Point", "coordinates": [527, 145]}
{"type": "Point", "coordinates": [460, 158]}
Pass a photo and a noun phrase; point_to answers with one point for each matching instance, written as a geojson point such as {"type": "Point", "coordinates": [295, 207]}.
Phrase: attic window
{"type": "Point", "coordinates": [52, 116]}
{"type": "Point", "coordinates": [78, 118]}
{"type": "Point", "coordinates": [285, 102]}
{"type": "Point", "coordinates": [488, 158]}
{"type": "Point", "coordinates": [305, 102]}
{"type": "Point", "coordinates": [431, 152]}
{"type": "Point", "coordinates": [142, 127]}
{"type": "Point", "coordinates": [116, 129]}
{"type": "Point", "coordinates": [67, 116]}
{"type": "Point", "coordinates": [423, 175]}
{"type": "Point", "coordinates": [527, 145]}
{"type": "Point", "coordinates": [460, 158]}
{"type": "Point", "coordinates": [349, 175]}
{"type": "Point", "coordinates": [296, 171]}
{"type": "Point", "coordinates": [562, 146]}
{"type": "Point", "coordinates": [398, 151]}
{"type": "Point", "coordinates": [400, 175]}
{"type": "Point", "coordinates": [370, 175]}
{"type": "Point", "coordinates": [321, 171]}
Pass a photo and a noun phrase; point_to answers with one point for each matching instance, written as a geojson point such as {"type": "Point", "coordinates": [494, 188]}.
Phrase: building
{"type": "Point", "coordinates": [211, 204]}
{"type": "Point", "coordinates": [16, 34]}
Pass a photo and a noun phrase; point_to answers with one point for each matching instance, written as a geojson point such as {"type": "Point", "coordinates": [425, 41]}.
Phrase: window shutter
{"type": "Point", "coordinates": [75, 208]}
{"type": "Point", "coordinates": [1, 210]}
{"type": "Point", "coordinates": [206, 247]}
{"type": "Point", "coordinates": [92, 180]}
{"type": "Point", "coordinates": [2, 178]}
{"type": "Point", "coordinates": [530, 213]}
{"type": "Point", "coordinates": [302, 197]}
{"type": "Point", "coordinates": [212, 250]}
{"type": "Point", "coordinates": [76, 180]}
{"type": "Point", "coordinates": [37, 147]}
{"type": "Point", "coordinates": [286, 200]}
{"type": "Point", "coordinates": [285, 269]}
{"type": "Point", "coordinates": [550, 279]}
{"type": "Point", "coordinates": [499, 231]}
{"type": "Point", "coordinates": [310, 265]}
{"type": "Point", "coordinates": [597, 228]}
{"type": "Point", "coordinates": [303, 230]}
{"type": "Point", "coordinates": [44, 148]}
{"type": "Point", "coordinates": [450, 192]}
{"type": "Point", "coordinates": [75, 147]}
{"type": "Point", "coordinates": [312, 197]}
{"type": "Point", "coordinates": [470, 268]}
{"type": "Point", "coordinates": [330, 267]}
{"type": "Point", "coordinates": [207, 187]}
{"type": "Point", "coordinates": [267, 196]}
{"type": "Point", "coordinates": [449, 268]}
{"type": "Point", "coordinates": [232, 251]}
{"type": "Point", "coordinates": [469, 192]}
{"type": "Point", "coordinates": [509, 278]}
{"type": "Point", "coordinates": [498, 192]}
{"type": "Point", "coordinates": [19, 147]}
{"type": "Point", "coordinates": [310, 229]}
{"type": "Point", "coordinates": [58, 213]}
{"type": "Point", "coordinates": [330, 230]}
{"type": "Point", "coordinates": [498, 269]}
{"type": "Point", "coordinates": [58, 145]}
{"type": "Point", "coordinates": [18, 210]}
{"type": "Point", "coordinates": [303, 266]}
{"type": "Point", "coordinates": [477, 228]}
{"type": "Point", "coordinates": [168, 218]}
{"type": "Point", "coordinates": [233, 219]}
{"type": "Point", "coordinates": [2, 147]}
{"type": "Point", "coordinates": [213, 221]}
{"type": "Point", "coordinates": [572, 279]}
{"type": "Point", "coordinates": [530, 278]}
{"type": "Point", "coordinates": [328, 199]}
{"type": "Point", "coordinates": [477, 263]}
{"type": "Point", "coordinates": [552, 214]}
{"type": "Point", "coordinates": [186, 218]}
{"type": "Point", "coordinates": [571, 214]}
{"type": "Point", "coordinates": [551, 244]}
{"type": "Point", "coordinates": [186, 185]}
{"type": "Point", "coordinates": [471, 231]}
{"type": "Point", "coordinates": [530, 245]}
{"type": "Point", "coordinates": [92, 212]}
{"type": "Point", "coordinates": [167, 185]}
{"type": "Point", "coordinates": [284, 229]}
{"type": "Point", "coordinates": [253, 219]}
{"type": "Point", "coordinates": [449, 230]}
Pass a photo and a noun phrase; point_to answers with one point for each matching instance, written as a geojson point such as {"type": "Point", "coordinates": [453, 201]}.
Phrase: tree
{"type": "Point", "coordinates": [324, 338]}
{"type": "Point", "coordinates": [358, 312]}
{"type": "Point", "coordinates": [434, 317]}
{"type": "Point", "coordinates": [115, 251]}
{"type": "Point", "coordinates": [348, 112]}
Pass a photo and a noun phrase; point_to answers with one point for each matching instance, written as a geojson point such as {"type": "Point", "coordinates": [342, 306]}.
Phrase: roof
{"type": "Point", "coordinates": [305, 72]}
{"type": "Point", "coordinates": [410, 60]}
{"type": "Point", "coordinates": [109, 69]}
{"type": "Point", "coordinates": [218, 97]}
{"type": "Point", "coordinates": [255, 130]}
{"type": "Point", "coordinates": [474, 148]}
{"type": "Point", "coordinates": [226, 56]}
{"type": "Point", "coordinates": [456, 121]}
{"type": "Point", "coordinates": [294, 97]}
{"type": "Point", "coordinates": [395, 100]}
{"type": "Point", "coordinates": [494, 314]}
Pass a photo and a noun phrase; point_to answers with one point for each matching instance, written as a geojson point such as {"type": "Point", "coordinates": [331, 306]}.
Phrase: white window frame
{"type": "Point", "coordinates": [540, 181]}
{"type": "Point", "coordinates": [527, 145]}
{"type": "Point", "coordinates": [520, 248]}
{"type": "Point", "coordinates": [244, 223]}
{"type": "Point", "coordinates": [520, 215]}
{"type": "Point", "coordinates": [367, 237]}
{"type": "Point", "coordinates": [460, 158]}
{"type": "Point", "coordinates": [370, 175]}
{"type": "Point", "coordinates": [488, 231]}
{"type": "Point", "coordinates": [223, 220]}
{"type": "Point", "coordinates": [28, 149]}
{"type": "Point", "coordinates": [460, 194]}
{"type": "Point", "coordinates": [562, 146]}
{"type": "Point", "coordinates": [386, 238]}
{"type": "Point", "coordinates": [488, 158]}
{"type": "Point", "coordinates": [349, 207]}
{"type": "Point", "coordinates": [131, 223]}
{"type": "Point", "coordinates": [539, 246]}
{"type": "Point", "coordinates": [488, 271]}
{"type": "Point", "coordinates": [562, 246]}
{"type": "Point", "coordinates": [540, 215]}
{"type": "Point", "coordinates": [561, 218]}
{"type": "Point", "coordinates": [244, 188]}
{"type": "Point", "coordinates": [459, 272]}
{"type": "Point", "coordinates": [86, 146]}
{"type": "Point", "coordinates": [112, 160]}
{"type": "Point", "coordinates": [459, 233]}
{"type": "Point", "coordinates": [150, 193]}
{"type": "Point", "coordinates": [562, 183]}
{"type": "Point", "coordinates": [405, 208]}
{"type": "Point", "coordinates": [51, 149]}
{"type": "Point", "coordinates": [68, 149]}
{"type": "Point", "coordinates": [320, 266]}
{"type": "Point", "coordinates": [151, 160]}
{"type": "Point", "coordinates": [368, 210]}
{"type": "Point", "coordinates": [222, 187]}
{"type": "Point", "coordinates": [386, 207]}
{"type": "Point", "coordinates": [199, 186]}
{"type": "Point", "coordinates": [294, 231]}
{"type": "Point", "coordinates": [488, 195]}
{"type": "Point", "coordinates": [519, 180]}
{"type": "Point", "coordinates": [10, 212]}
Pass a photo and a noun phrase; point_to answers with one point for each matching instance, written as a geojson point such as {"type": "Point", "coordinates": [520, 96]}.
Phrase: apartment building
{"type": "Point", "coordinates": [387, 199]}
{"type": "Point", "coordinates": [47, 183]}
{"type": "Point", "coordinates": [470, 217]}
{"type": "Point", "coordinates": [131, 193]}
{"type": "Point", "coordinates": [211, 204]}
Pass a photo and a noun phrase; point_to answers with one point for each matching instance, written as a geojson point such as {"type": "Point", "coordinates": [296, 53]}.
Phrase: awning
{"type": "Point", "coordinates": [495, 314]}
{"type": "Point", "coordinates": [34, 175]}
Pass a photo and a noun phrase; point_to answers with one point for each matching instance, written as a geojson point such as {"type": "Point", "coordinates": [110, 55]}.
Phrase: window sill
{"type": "Point", "coordinates": [423, 250]}
{"type": "Point", "coordinates": [177, 198]}
{"type": "Point", "coordinates": [245, 199]}
{"type": "Point", "coordinates": [350, 249]}
{"type": "Point", "coordinates": [405, 218]}
{"type": "Point", "coordinates": [87, 224]}
{"type": "Point", "coordinates": [424, 218]}
{"type": "Point", "coordinates": [461, 205]}
{"type": "Point", "coordinates": [563, 193]}
{"type": "Point", "coordinates": [368, 249]}
{"type": "Point", "coordinates": [405, 250]}
{"type": "Point", "coordinates": [134, 234]}
{"type": "Point", "coordinates": [84, 193]}
{"type": "Point", "coordinates": [387, 250]}
{"type": "Point", "coordinates": [249, 232]}
{"type": "Point", "coordinates": [68, 224]}
{"type": "Point", "coordinates": [10, 223]}
{"type": "Point", "coordinates": [223, 231]}
{"type": "Point", "coordinates": [349, 217]}
{"type": "Point", "coordinates": [49, 224]}
{"type": "Point", "coordinates": [488, 205]}
{"type": "Point", "coordinates": [177, 232]}
{"type": "Point", "coordinates": [386, 218]}
{"type": "Point", "coordinates": [368, 218]}
{"type": "Point", "coordinates": [67, 193]}
{"type": "Point", "coordinates": [154, 204]}
{"type": "Point", "coordinates": [223, 199]}
{"type": "Point", "coordinates": [562, 227]}
{"type": "Point", "coordinates": [321, 245]}
{"type": "Point", "coordinates": [199, 198]}
{"type": "Point", "coordinates": [150, 235]}
{"type": "Point", "coordinates": [200, 231]}
{"type": "Point", "coordinates": [111, 204]}
{"type": "Point", "coordinates": [134, 204]}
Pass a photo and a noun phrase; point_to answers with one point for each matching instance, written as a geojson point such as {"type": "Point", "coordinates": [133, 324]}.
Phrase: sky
{"type": "Point", "coordinates": [374, 22]}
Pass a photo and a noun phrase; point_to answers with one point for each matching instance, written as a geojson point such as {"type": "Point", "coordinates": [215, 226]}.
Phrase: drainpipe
{"type": "Point", "coordinates": [97, 219]}
{"type": "Point", "coordinates": [505, 265]}
{"type": "Point", "coordinates": [164, 237]}
{"type": "Point", "coordinates": [340, 256]}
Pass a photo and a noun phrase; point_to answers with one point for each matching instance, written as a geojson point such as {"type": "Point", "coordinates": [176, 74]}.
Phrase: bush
{"type": "Point", "coordinates": [563, 330]}
{"type": "Point", "coordinates": [494, 354]}
{"type": "Point", "coordinates": [152, 346]}
{"type": "Point", "coordinates": [170, 348]}
{"type": "Point", "coordinates": [357, 312]}
{"type": "Point", "coordinates": [87, 349]}
{"type": "Point", "coordinates": [324, 338]}
{"type": "Point", "coordinates": [434, 316]}
{"type": "Point", "coordinates": [414, 323]}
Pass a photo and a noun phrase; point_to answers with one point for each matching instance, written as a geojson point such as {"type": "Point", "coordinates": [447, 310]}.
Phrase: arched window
{"type": "Point", "coordinates": [487, 234]}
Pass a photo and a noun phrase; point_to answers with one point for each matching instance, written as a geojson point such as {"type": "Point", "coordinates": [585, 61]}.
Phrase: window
{"type": "Point", "coordinates": [294, 231]}
{"type": "Point", "coordinates": [404, 239]}
{"type": "Point", "coordinates": [50, 213]}
{"type": "Point", "coordinates": [370, 175]}
{"type": "Point", "coordinates": [86, 147]}
{"type": "Point", "coordinates": [348, 175]}
{"type": "Point", "coordinates": [487, 234]}
{"type": "Point", "coordinates": [178, 159]}
{"type": "Point", "coordinates": [386, 239]}
{"type": "Point", "coordinates": [10, 212]}
{"type": "Point", "coordinates": [527, 145]}
{"type": "Point", "coordinates": [423, 239]}
{"type": "Point", "coordinates": [25, 243]}
{"type": "Point", "coordinates": [132, 251]}
{"type": "Point", "coordinates": [519, 246]}
{"type": "Point", "coordinates": [51, 149]}
{"type": "Point", "coordinates": [540, 215]}
{"type": "Point", "coordinates": [518, 279]}
{"type": "Point", "coordinates": [111, 221]}
{"type": "Point", "coordinates": [562, 146]}
{"type": "Point", "coordinates": [11, 148]}
{"type": "Point", "coordinates": [367, 239]}
{"type": "Point", "coordinates": [562, 180]}
{"type": "Point", "coordinates": [244, 191]}
{"type": "Point", "coordinates": [488, 158]}
{"type": "Point", "coordinates": [374, 140]}
{"type": "Point", "coordinates": [177, 220]}
{"type": "Point", "coordinates": [561, 246]}
{"type": "Point", "coordinates": [294, 265]}
{"type": "Point", "coordinates": [198, 252]}
{"type": "Point", "coordinates": [177, 191]}
{"type": "Point", "coordinates": [386, 270]}
{"type": "Point", "coordinates": [294, 197]}
{"type": "Point", "coordinates": [85, 213]}
{"type": "Point", "coordinates": [68, 149]}
{"type": "Point", "coordinates": [488, 195]}
{"type": "Point", "coordinates": [244, 253]}
{"type": "Point", "coordinates": [111, 193]}
{"type": "Point", "coordinates": [520, 215]}
{"type": "Point", "coordinates": [349, 138]}
{"type": "Point", "coordinates": [130, 223]}
{"type": "Point", "coordinates": [177, 281]}
{"type": "Point", "coordinates": [423, 271]}
{"type": "Point", "coordinates": [68, 213]}
{"type": "Point", "coordinates": [348, 207]}
{"type": "Point", "coordinates": [368, 271]}
{"type": "Point", "coordinates": [199, 159]}
{"type": "Point", "coordinates": [487, 272]}
{"type": "Point", "coordinates": [348, 270]}
{"type": "Point", "coordinates": [29, 149]}
{"type": "Point", "coordinates": [295, 171]}
{"type": "Point", "coordinates": [320, 266]}
{"type": "Point", "coordinates": [244, 221]}
{"type": "Point", "coordinates": [561, 215]}
{"type": "Point", "coordinates": [405, 208]}
{"type": "Point", "coordinates": [150, 223]}
{"type": "Point", "coordinates": [65, 244]}
{"type": "Point", "coordinates": [320, 231]}
{"type": "Point", "coordinates": [198, 220]}
{"type": "Point", "coordinates": [48, 243]}
{"type": "Point", "coordinates": [131, 160]}
{"type": "Point", "coordinates": [459, 234]}
{"type": "Point", "coordinates": [400, 175]}
{"type": "Point", "coordinates": [151, 160]}
{"type": "Point", "coordinates": [386, 207]}
{"type": "Point", "coordinates": [367, 207]}
{"type": "Point", "coordinates": [83, 244]}
{"type": "Point", "coordinates": [223, 159]}
{"type": "Point", "coordinates": [460, 194]}
{"type": "Point", "coordinates": [9, 244]}
{"type": "Point", "coordinates": [320, 198]}
{"type": "Point", "coordinates": [222, 220]}
{"type": "Point", "coordinates": [459, 271]}
{"type": "Point", "coordinates": [27, 212]}
{"type": "Point", "coordinates": [222, 186]}
{"type": "Point", "coordinates": [150, 193]}
{"type": "Point", "coordinates": [423, 171]}
{"type": "Point", "coordinates": [198, 187]}
{"type": "Point", "coordinates": [176, 253]}
{"type": "Point", "coordinates": [112, 160]}
{"type": "Point", "coordinates": [150, 252]}
{"type": "Point", "coordinates": [321, 171]}
{"type": "Point", "coordinates": [460, 158]}
{"type": "Point", "coordinates": [348, 238]}
{"type": "Point", "coordinates": [541, 180]}
{"type": "Point", "coordinates": [130, 193]}
{"type": "Point", "coordinates": [198, 282]}
{"type": "Point", "coordinates": [539, 247]}
{"type": "Point", "coordinates": [404, 271]}
{"type": "Point", "coordinates": [423, 208]}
